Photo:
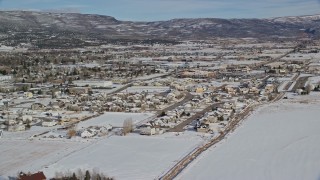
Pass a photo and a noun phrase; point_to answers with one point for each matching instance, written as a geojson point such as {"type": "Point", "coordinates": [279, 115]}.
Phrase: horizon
{"type": "Point", "coordinates": [162, 10]}
{"type": "Point", "coordinates": [63, 12]}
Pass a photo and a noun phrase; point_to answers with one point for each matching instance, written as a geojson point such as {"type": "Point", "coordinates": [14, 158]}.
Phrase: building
{"type": "Point", "coordinates": [147, 129]}
{"type": "Point", "coordinates": [196, 74]}
{"type": "Point", "coordinates": [36, 176]}
{"type": "Point", "coordinates": [28, 95]}
{"type": "Point", "coordinates": [48, 123]}
{"type": "Point", "coordinates": [88, 133]}
{"type": "Point", "coordinates": [271, 80]}
{"type": "Point", "coordinates": [269, 88]}
{"type": "Point", "coordinates": [94, 83]}
{"type": "Point", "coordinates": [79, 90]}
{"type": "Point", "coordinates": [5, 78]}
{"type": "Point", "coordinates": [16, 128]}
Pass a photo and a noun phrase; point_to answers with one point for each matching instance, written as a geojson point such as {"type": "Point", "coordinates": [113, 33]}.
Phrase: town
{"type": "Point", "coordinates": [160, 89]}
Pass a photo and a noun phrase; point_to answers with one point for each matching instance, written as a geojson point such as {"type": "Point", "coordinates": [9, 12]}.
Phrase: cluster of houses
{"type": "Point", "coordinates": [195, 78]}
{"type": "Point", "coordinates": [94, 131]}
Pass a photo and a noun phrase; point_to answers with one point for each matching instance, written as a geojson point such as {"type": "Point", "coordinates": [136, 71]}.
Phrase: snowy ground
{"type": "Point", "coordinates": [123, 157]}
{"type": "Point", "coordinates": [115, 119]}
{"type": "Point", "coordinates": [27, 155]}
{"type": "Point", "coordinates": [131, 157]}
{"type": "Point", "coordinates": [279, 141]}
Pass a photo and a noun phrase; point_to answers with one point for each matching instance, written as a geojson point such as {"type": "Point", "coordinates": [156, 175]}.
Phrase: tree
{"type": "Point", "coordinates": [87, 177]}
{"type": "Point", "coordinates": [74, 177]}
{"type": "Point", "coordinates": [25, 88]}
{"type": "Point", "coordinates": [309, 88]}
{"type": "Point", "coordinates": [127, 126]}
{"type": "Point", "coordinates": [72, 132]}
{"type": "Point", "coordinates": [69, 80]}
{"type": "Point", "coordinates": [162, 114]}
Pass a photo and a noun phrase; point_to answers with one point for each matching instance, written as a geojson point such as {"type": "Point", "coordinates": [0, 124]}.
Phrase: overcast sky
{"type": "Point", "coordinates": [149, 10]}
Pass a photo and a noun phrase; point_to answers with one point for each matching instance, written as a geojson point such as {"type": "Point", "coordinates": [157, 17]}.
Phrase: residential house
{"type": "Point", "coordinates": [88, 133]}
{"type": "Point", "coordinates": [49, 123]}
{"type": "Point", "coordinates": [35, 176]}
{"type": "Point", "coordinates": [147, 129]}
{"type": "Point", "coordinates": [18, 127]}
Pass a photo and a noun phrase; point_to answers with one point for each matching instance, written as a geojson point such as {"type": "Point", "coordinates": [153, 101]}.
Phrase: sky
{"type": "Point", "coordinates": [153, 10]}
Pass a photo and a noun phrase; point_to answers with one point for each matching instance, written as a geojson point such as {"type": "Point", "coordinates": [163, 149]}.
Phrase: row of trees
{"type": "Point", "coordinates": [81, 175]}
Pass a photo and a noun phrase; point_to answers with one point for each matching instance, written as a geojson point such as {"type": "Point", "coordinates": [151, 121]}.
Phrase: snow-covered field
{"type": "Point", "coordinates": [115, 119]}
{"type": "Point", "coordinates": [123, 157]}
{"type": "Point", "coordinates": [131, 157]}
{"type": "Point", "coordinates": [27, 155]}
{"type": "Point", "coordinates": [279, 141]}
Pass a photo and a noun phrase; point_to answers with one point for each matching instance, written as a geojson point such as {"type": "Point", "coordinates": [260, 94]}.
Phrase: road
{"type": "Point", "coordinates": [288, 85]}
{"type": "Point", "coordinates": [187, 98]}
{"type": "Point", "coordinates": [300, 83]}
{"type": "Point", "coordinates": [121, 89]}
{"type": "Point", "coordinates": [180, 127]}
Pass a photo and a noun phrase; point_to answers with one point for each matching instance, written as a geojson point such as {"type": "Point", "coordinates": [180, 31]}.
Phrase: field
{"type": "Point", "coordinates": [278, 141]}
{"type": "Point", "coordinates": [132, 157]}
{"type": "Point", "coordinates": [123, 157]}
{"type": "Point", "coordinates": [26, 155]}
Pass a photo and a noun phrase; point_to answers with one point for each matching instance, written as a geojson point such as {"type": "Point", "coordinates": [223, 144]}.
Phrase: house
{"type": "Point", "coordinates": [269, 88]}
{"type": "Point", "coordinates": [94, 83]}
{"type": "Point", "coordinates": [36, 176]}
{"type": "Point", "coordinates": [5, 78]}
{"type": "Point", "coordinates": [88, 133]}
{"type": "Point", "coordinates": [48, 123]}
{"type": "Point", "coordinates": [147, 129]}
{"type": "Point", "coordinates": [204, 128]}
{"type": "Point", "coordinates": [15, 128]}
{"type": "Point", "coordinates": [271, 80]}
{"type": "Point", "coordinates": [196, 74]}
{"type": "Point", "coordinates": [105, 128]}
{"type": "Point", "coordinates": [26, 118]}
{"type": "Point", "coordinates": [79, 90]}
{"type": "Point", "coordinates": [28, 95]}
{"type": "Point", "coordinates": [230, 90]}
{"type": "Point", "coordinates": [38, 106]}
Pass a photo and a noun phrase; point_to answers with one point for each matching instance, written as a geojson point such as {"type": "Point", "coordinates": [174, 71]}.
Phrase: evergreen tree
{"type": "Point", "coordinates": [74, 177]}
{"type": "Point", "coordinates": [98, 177]}
{"type": "Point", "coordinates": [87, 177]}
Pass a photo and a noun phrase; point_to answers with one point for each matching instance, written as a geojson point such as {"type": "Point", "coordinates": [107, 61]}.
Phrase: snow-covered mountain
{"type": "Point", "coordinates": [42, 28]}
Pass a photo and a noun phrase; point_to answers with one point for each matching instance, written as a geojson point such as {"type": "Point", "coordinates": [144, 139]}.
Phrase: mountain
{"type": "Point", "coordinates": [71, 29]}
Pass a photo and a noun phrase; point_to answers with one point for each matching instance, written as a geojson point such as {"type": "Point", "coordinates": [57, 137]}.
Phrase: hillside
{"type": "Point", "coordinates": [43, 29]}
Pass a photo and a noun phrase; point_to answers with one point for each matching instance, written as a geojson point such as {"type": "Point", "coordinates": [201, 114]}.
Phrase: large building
{"type": "Point", "coordinates": [196, 74]}
{"type": "Point", "coordinates": [5, 78]}
{"type": "Point", "coordinates": [93, 83]}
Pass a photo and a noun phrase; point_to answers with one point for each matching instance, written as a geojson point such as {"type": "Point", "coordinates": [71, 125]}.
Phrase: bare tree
{"type": "Point", "coordinates": [309, 88]}
{"type": "Point", "coordinates": [127, 126]}
{"type": "Point", "coordinates": [80, 174]}
{"type": "Point", "coordinates": [72, 132]}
